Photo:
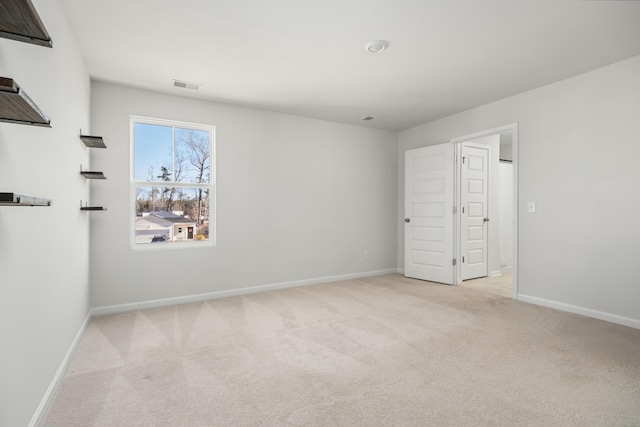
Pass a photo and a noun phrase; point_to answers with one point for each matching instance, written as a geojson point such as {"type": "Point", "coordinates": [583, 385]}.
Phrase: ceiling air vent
{"type": "Point", "coordinates": [186, 85]}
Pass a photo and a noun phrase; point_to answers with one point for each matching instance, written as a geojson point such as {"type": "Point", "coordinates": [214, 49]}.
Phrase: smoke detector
{"type": "Point", "coordinates": [186, 85]}
{"type": "Point", "coordinates": [376, 46]}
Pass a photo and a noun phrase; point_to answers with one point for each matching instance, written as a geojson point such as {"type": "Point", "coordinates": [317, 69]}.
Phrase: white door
{"type": "Point", "coordinates": [429, 223]}
{"type": "Point", "coordinates": [474, 220]}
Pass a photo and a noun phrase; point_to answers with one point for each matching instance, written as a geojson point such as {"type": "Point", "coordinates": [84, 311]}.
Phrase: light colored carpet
{"type": "Point", "coordinates": [499, 285]}
{"type": "Point", "coordinates": [380, 351]}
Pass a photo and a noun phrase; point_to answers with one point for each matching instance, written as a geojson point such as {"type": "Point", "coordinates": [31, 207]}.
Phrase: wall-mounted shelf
{"type": "Point", "coordinates": [93, 141]}
{"type": "Point", "coordinates": [15, 199]}
{"type": "Point", "coordinates": [19, 21]}
{"type": "Point", "coordinates": [17, 107]}
{"type": "Point", "coordinates": [93, 175]}
{"type": "Point", "coordinates": [91, 208]}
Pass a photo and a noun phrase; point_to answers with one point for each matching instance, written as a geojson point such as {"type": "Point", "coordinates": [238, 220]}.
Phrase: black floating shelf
{"type": "Point", "coordinates": [15, 199]}
{"type": "Point", "coordinates": [19, 21]}
{"type": "Point", "coordinates": [17, 107]}
{"type": "Point", "coordinates": [93, 141]}
{"type": "Point", "coordinates": [91, 208]}
{"type": "Point", "coordinates": [93, 175]}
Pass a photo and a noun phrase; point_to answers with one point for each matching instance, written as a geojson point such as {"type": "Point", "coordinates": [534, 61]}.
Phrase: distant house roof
{"type": "Point", "coordinates": [152, 222]}
{"type": "Point", "coordinates": [171, 217]}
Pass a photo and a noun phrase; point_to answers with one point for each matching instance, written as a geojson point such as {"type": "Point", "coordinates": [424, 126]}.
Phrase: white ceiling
{"type": "Point", "coordinates": [306, 57]}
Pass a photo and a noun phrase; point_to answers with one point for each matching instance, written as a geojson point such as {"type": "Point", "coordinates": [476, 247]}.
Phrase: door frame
{"type": "Point", "coordinates": [513, 129]}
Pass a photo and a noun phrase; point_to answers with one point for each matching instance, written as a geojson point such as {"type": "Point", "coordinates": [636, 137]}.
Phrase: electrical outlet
{"type": "Point", "coordinates": [366, 254]}
{"type": "Point", "coordinates": [531, 207]}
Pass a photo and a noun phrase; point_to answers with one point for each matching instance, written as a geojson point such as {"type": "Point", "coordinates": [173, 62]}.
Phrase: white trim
{"type": "Point", "coordinates": [601, 315]}
{"type": "Point", "coordinates": [400, 270]}
{"type": "Point", "coordinates": [495, 273]}
{"type": "Point", "coordinates": [121, 308]}
{"type": "Point", "coordinates": [38, 416]}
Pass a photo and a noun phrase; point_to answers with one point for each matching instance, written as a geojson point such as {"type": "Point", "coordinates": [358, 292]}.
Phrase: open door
{"type": "Point", "coordinates": [474, 202]}
{"type": "Point", "coordinates": [429, 218]}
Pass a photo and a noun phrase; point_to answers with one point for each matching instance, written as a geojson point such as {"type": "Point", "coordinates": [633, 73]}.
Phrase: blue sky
{"type": "Point", "coordinates": [154, 149]}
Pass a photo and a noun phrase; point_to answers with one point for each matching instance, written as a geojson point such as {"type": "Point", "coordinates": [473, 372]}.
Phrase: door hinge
{"type": "Point", "coordinates": [462, 259]}
{"type": "Point", "coordinates": [463, 160]}
{"type": "Point", "coordinates": [454, 261]}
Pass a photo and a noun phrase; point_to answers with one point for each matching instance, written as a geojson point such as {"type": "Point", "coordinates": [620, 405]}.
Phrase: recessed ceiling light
{"type": "Point", "coordinates": [186, 85]}
{"type": "Point", "coordinates": [367, 118]}
{"type": "Point", "coordinates": [376, 46]}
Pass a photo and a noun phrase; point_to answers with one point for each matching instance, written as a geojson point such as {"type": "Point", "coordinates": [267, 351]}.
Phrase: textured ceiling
{"type": "Point", "coordinates": [307, 58]}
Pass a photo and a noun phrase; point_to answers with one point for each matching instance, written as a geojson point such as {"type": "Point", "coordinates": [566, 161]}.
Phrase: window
{"type": "Point", "coordinates": [172, 184]}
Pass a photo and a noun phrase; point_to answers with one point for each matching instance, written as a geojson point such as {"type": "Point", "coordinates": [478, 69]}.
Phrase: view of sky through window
{"type": "Point", "coordinates": [172, 188]}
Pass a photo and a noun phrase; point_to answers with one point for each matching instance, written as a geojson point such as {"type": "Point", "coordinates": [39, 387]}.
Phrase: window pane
{"type": "Point", "coordinates": [153, 152]}
{"type": "Point", "coordinates": [193, 156]}
{"type": "Point", "coordinates": [169, 214]}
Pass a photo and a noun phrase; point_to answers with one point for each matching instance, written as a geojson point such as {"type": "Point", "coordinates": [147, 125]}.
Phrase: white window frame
{"type": "Point", "coordinates": [211, 185]}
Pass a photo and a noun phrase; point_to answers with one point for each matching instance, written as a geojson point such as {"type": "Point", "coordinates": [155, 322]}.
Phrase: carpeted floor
{"type": "Point", "coordinates": [380, 351]}
{"type": "Point", "coordinates": [499, 285]}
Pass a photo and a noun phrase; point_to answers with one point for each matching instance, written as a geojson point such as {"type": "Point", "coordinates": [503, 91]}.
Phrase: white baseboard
{"type": "Point", "coordinates": [121, 308]}
{"type": "Point", "coordinates": [613, 318]}
{"type": "Point", "coordinates": [495, 273]}
{"type": "Point", "coordinates": [38, 416]}
{"type": "Point", "coordinates": [400, 270]}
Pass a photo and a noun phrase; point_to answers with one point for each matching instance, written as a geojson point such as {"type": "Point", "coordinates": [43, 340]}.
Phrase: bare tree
{"type": "Point", "coordinates": [196, 145]}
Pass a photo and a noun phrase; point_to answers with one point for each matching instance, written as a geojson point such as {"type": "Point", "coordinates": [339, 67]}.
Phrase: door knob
{"type": "Point", "coordinates": [407, 220]}
{"type": "Point", "coordinates": [486, 220]}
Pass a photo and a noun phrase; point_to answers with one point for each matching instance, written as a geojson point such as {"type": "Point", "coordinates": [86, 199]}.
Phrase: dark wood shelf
{"type": "Point", "coordinates": [93, 141]}
{"type": "Point", "coordinates": [17, 107]}
{"type": "Point", "coordinates": [15, 199]}
{"type": "Point", "coordinates": [91, 208]}
{"type": "Point", "coordinates": [20, 21]}
{"type": "Point", "coordinates": [93, 175]}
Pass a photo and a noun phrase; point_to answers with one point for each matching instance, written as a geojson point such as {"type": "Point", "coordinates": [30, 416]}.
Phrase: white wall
{"type": "Point", "coordinates": [578, 151]}
{"type": "Point", "coordinates": [44, 257]}
{"type": "Point", "coordinates": [297, 199]}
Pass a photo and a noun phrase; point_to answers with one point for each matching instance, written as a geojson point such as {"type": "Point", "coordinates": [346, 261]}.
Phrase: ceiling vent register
{"type": "Point", "coordinates": [186, 85]}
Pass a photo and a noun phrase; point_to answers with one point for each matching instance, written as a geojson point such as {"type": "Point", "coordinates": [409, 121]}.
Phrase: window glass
{"type": "Point", "coordinates": [172, 185]}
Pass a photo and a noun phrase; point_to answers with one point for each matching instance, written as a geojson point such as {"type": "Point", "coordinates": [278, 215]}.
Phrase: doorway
{"type": "Point", "coordinates": [436, 237]}
{"type": "Point", "coordinates": [501, 217]}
